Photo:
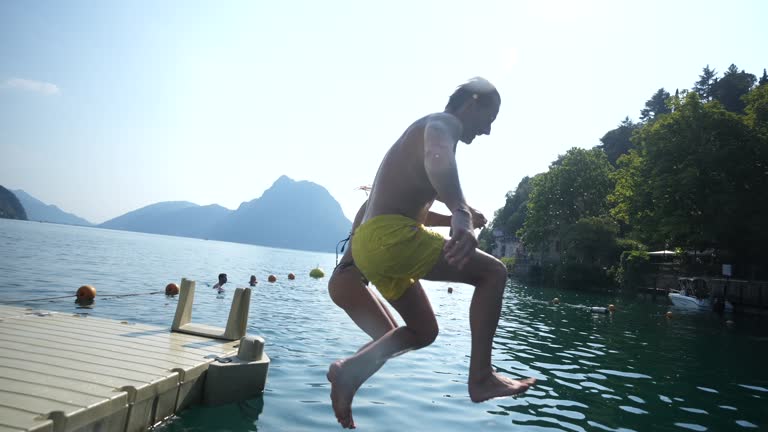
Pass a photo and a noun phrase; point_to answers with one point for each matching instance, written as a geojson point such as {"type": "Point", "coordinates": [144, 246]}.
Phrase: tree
{"type": "Point", "coordinates": [698, 180]}
{"type": "Point", "coordinates": [510, 218]}
{"type": "Point", "coordinates": [485, 240]}
{"type": "Point", "coordinates": [730, 89]}
{"type": "Point", "coordinates": [631, 200]}
{"type": "Point", "coordinates": [576, 186]}
{"type": "Point", "coordinates": [763, 79]}
{"type": "Point", "coordinates": [617, 142]}
{"type": "Point", "coordinates": [591, 240]}
{"type": "Point", "coordinates": [704, 85]}
{"type": "Point", "coordinates": [655, 106]}
{"type": "Point", "coordinates": [757, 110]}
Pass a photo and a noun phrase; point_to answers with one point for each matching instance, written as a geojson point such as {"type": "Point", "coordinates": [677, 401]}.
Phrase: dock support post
{"type": "Point", "coordinates": [236, 323]}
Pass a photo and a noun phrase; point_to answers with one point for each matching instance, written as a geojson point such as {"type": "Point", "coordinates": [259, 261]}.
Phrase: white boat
{"type": "Point", "coordinates": [694, 294]}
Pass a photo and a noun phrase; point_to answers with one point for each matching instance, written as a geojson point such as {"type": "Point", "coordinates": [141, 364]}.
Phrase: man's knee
{"type": "Point", "coordinates": [494, 272]}
{"type": "Point", "coordinates": [499, 270]}
{"type": "Point", "coordinates": [426, 336]}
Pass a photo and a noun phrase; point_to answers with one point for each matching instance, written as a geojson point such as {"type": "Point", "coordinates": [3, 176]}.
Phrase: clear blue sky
{"type": "Point", "coordinates": [106, 107]}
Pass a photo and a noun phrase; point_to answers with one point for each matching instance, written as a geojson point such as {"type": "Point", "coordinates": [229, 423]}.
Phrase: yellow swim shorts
{"type": "Point", "coordinates": [394, 251]}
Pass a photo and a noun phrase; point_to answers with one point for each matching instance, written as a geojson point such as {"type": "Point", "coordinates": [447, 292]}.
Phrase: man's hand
{"type": "Point", "coordinates": [478, 219]}
{"type": "Point", "coordinates": [461, 246]}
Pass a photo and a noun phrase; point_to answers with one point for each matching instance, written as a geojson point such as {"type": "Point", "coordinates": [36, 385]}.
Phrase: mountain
{"type": "Point", "coordinates": [178, 218]}
{"type": "Point", "coordinates": [10, 206]}
{"type": "Point", "coordinates": [290, 214]}
{"type": "Point", "coordinates": [40, 211]}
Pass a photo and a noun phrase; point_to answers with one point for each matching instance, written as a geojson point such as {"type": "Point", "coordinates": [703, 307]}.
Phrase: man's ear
{"type": "Point", "coordinates": [468, 104]}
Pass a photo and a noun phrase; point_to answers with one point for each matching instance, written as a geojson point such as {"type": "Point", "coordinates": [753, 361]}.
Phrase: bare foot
{"type": "Point", "coordinates": [342, 392]}
{"type": "Point", "coordinates": [494, 385]}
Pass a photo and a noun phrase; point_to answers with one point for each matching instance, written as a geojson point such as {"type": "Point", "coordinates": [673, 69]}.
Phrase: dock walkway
{"type": "Point", "coordinates": [61, 372]}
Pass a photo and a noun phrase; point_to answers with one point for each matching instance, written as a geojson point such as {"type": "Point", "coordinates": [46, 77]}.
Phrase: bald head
{"type": "Point", "coordinates": [480, 89]}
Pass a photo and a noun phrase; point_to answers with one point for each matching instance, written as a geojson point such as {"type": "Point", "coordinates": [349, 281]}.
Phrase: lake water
{"type": "Point", "coordinates": [633, 370]}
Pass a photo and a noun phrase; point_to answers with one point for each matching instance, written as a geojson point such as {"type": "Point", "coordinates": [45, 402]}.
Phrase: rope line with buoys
{"type": "Point", "coordinates": [38, 299]}
{"type": "Point", "coordinates": [610, 309]}
{"type": "Point", "coordinates": [70, 296]}
{"type": "Point", "coordinates": [87, 293]}
{"type": "Point", "coordinates": [83, 297]}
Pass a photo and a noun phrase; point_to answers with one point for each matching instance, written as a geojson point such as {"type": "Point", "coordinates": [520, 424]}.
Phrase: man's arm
{"type": "Point", "coordinates": [441, 220]}
{"type": "Point", "coordinates": [359, 216]}
{"type": "Point", "coordinates": [441, 134]}
{"type": "Point", "coordinates": [437, 220]}
{"type": "Point", "coordinates": [478, 219]}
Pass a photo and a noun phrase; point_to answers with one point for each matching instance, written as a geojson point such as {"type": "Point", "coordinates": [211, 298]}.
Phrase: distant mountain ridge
{"type": "Point", "coordinates": [10, 206]}
{"type": "Point", "coordinates": [178, 218]}
{"type": "Point", "coordinates": [40, 211]}
{"type": "Point", "coordinates": [290, 214]}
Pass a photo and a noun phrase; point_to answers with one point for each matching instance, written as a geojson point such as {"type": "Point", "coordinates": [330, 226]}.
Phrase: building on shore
{"type": "Point", "coordinates": [505, 245]}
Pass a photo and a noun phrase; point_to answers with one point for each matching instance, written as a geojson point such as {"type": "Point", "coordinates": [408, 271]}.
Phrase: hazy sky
{"type": "Point", "coordinates": [109, 106]}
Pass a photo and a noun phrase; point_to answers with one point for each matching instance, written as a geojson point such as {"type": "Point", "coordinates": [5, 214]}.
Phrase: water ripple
{"type": "Point", "coordinates": [691, 426]}
{"type": "Point", "coordinates": [623, 374]}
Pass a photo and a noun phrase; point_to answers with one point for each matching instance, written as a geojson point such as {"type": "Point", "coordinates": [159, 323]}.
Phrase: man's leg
{"type": "Point", "coordinates": [360, 302]}
{"type": "Point", "coordinates": [420, 330]}
{"type": "Point", "coordinates": [489, 277]}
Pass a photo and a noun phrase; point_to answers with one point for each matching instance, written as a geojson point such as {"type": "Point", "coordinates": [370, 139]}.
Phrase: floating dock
{"type": "Point", "coordinates": [61, 372]}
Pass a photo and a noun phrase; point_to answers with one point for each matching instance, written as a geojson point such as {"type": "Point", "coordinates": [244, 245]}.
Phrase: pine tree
{"type": "Point", "coordinates": [729, 89]}
{"type": "Point", "coordinates": [732, 69]}
{"type": "Point", "coordinates": [618, 142]}
{"type": "Point", "coordinates": [655, 106]}
{"type": "Point", "coordinates": [704, 85]}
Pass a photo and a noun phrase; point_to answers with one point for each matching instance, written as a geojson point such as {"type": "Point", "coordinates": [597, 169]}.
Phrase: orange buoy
{"type": "Point", "coordinates": [171, 289]}
{"type": "Point", "coordinates": [450, 290]}
{"type": "Point", "coordinates": [86, 293]}
{"type": "Point", "coordinates": [611, 308]}
{"type": "Point", "coordinates": [556, 300]}
{"type": "Point", "coordinates": [291, 276]}
{"type": "Point", "coordinates": [272, 278]}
